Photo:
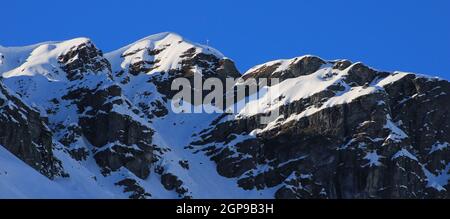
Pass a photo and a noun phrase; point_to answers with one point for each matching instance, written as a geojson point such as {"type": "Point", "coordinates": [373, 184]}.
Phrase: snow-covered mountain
{"type": "Point", "coordinates": [78, 123]}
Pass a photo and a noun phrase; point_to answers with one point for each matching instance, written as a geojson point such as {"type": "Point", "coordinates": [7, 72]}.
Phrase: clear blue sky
{"type": "Point", "coordinates": [386, 34]}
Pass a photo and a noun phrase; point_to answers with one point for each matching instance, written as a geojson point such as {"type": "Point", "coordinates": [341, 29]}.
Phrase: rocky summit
{"type": "Point", "coordinates": [76, 122]}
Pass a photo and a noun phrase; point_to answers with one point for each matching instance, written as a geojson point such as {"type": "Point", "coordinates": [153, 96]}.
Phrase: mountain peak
{"type": "Point", "coordinates": [75, 42]}
{"type": "Point", "coordinates": [157, 53]}
{"type": "Point", "coordinates": [162, 35]}
{"type": "Point", "coordinates": [45, 58]}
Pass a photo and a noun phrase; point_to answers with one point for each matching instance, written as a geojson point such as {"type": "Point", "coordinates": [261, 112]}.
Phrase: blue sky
{"type": "Point", "coordinates": [385, 34]}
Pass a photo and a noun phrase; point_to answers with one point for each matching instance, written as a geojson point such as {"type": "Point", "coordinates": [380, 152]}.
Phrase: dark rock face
{"type": "Point", "coordinates": [101, 115]}
{"type": "Point", "coordinates": [210, 66]}
{"type": "Point", "coordinates": [131, 186]}
{"type": "Point", "coordinates": [171, 182]}
{"type": "Point", "coordinates": [342, 64]}
{"type": "Point", "coordinates": [184, 164]}
{"type": "Point", "coordinates": [298, 67]}
{"type": "Point", "coordinates": [144, 66]}
{"type": "Point", "coordinates": [379, 145]}
{"type": "Point", "coordinates": [25, 134]}
{"type": "Point", "coordinates": [79, 154]}
{"type": "Point", "coordinates": [127, 140]}
{"type": "Point", "coordinates": [136, 160]}
{"type": "Point", "coordinates": [2, 59]}
{"type": "Point", "coordinates": [81, 59]}
{"type": "Point", "coordinates": [118, 130]}
{"type": "Point", "coordinates": [360, 74]}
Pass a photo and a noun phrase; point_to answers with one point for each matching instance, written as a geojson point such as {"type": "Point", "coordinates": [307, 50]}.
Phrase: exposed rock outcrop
{"type": "Point", "coordinates": [377, 145]}
{"type": "Point", "coordinates": [25, 134]}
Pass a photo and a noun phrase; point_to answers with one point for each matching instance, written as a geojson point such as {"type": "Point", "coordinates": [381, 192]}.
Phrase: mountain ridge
{"type": "Point", "coordinates": [345, 130]}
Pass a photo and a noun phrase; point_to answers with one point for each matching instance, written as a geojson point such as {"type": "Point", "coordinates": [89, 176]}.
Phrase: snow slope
{"type": "Point", "coordinates": [39, 59]}
{"type": "Point", "coordinates": [18, 180]}
{"type": "Point", "coordinates": [202, 178]}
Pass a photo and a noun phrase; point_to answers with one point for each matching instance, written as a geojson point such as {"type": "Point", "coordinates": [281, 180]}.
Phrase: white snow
{"type": "Point", "coordinates": [373, 158]}
{"type": "Point", "coordinates": [173, 46]}
{"type": "Point", "coordinates": [283, 64]}
{"type": "Point", "coordinates": [404, 153]}
{"type": "Point", "coordinates": [41, 59]}
{"type": "Point", "coordinates": [19, 180]}
{"type": "Point", "coordinates": [392, 78]}
{"type": "Point", "coordinates": [396, 135]}
{"type": "Point", "coordinates": [15, 56]}
{"type": "Point", "coordinates": [175, 131]}
{"type": "Point", "coordinates": [439, 180]}
{"type": "Point", "coordinates": [439, 146]}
